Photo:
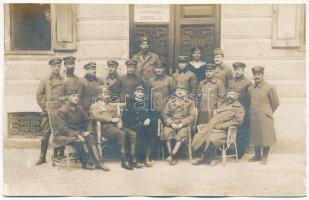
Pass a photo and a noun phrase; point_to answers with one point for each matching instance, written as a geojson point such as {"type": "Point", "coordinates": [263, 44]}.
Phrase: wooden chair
{"type": "Point", "coordinates": [230, 142]}
{"type": "Point", "coordinates": [187, 142]}
{"type": "Point", "coordinates": [52, 108]}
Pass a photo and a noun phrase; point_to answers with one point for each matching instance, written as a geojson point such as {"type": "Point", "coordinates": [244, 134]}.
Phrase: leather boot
{"type": "Point", "coordinates": [125, 164]}
{"type": "Point", "coordinates": [42, 158]}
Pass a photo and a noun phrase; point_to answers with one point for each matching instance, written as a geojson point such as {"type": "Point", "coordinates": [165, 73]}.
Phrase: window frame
{"type": "Point", "coordinates": [7, 35]}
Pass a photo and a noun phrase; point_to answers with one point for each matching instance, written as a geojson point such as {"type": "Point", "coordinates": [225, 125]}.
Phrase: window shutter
{"type": "Point", "coordinates": [286, 25]}
{"type": "Point", "coordinates": [65, 27]}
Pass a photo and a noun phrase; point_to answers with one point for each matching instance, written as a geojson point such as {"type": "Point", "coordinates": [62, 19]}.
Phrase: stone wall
{"type": "Point", "coordinates": [246, 35]}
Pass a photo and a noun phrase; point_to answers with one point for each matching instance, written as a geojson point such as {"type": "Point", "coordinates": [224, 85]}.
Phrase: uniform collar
{"type": "Point", "coordinates": [161, 77]}
{"type": "Point", "coordinates": [90, 77]}
{"type": "Point", "coordinates": [259, 85]}
{"type": "Point", "coordinates": [141, 57]}
{"type": "Point", "coordinates": [55, 76]}
{"type": "Point", "coordinates": [182, 70]}
{"type": "Point", "coordinates": [112, 76]}
{"type": "Point", "coordinates": [240, 78]}
{"type": "Point", "coordinates": [213, 80]}
{"type": "Point", "coordinates": [220, 66]}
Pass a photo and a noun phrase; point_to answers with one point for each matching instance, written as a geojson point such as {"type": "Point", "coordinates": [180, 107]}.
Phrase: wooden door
{"type": "Point", "coordinates": [197, 25]}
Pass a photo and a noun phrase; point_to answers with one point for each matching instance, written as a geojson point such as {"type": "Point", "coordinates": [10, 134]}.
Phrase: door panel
{"type": "Point", "coordinates": [197, 25]}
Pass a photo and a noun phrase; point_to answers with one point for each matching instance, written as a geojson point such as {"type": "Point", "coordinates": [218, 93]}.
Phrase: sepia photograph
{"type": "Point", "coordinates": [170, 99]}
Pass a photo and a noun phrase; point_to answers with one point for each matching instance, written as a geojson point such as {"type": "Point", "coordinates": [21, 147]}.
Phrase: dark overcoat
{"type": "Point", "coordinates": [263, 103]}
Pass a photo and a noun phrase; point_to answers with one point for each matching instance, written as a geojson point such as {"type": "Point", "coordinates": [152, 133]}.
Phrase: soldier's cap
{"type": "Point", "coordinates": [159, 64]}
{"type": "Point", "coordinates": [131, 62]}
{"type": "Point", "coordinates": [239, 65]}
{"type": "Point", "coordinates": [210, 66]}
{"type": "Point", "coordinates": [232, 94]}
{"type": "Point", "coordinates": [55, 61]}
{"type": "Point", "coordinates": [181, 86]}
{"type": "Point", "coordinates": [112, 62]}
{"type": "Point", "coordinates": [196, 49]}
{"type": "Point", "coordinates": [143, 39]}
{"type": "Point", "coordinates": [139, 87]}
{"type": "Point", "coordinates": [69, 60]}
{"type": "Point", "coordinates": [90, 65]}
{"type": "Point", "coordinates": [218, 51]}
{"type": "Point", "coordinates": [183, 59]}
{"type": "Point", "coordinates": [257, 69]}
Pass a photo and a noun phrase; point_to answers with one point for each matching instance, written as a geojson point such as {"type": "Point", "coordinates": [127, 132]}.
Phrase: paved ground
{"type": "Point", "coordinates": [283, 176]}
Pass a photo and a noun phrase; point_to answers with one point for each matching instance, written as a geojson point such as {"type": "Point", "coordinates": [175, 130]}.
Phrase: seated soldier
{"type": "Point", "coordinates": [73, 128]}
{"type": "Point", "coordinates": [178, 115]}
{"type": "Point", "coordinates": [137, 117]}
{"type": "Point", "coordinates": [215, 132]}
{"type": "Point", "coordinates": [106, 111]}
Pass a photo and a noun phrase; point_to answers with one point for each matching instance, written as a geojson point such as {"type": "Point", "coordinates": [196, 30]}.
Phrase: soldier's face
{"type": "Point", "coordinates": [74, 98]}
{"type": "Point", "coordinates": [112, 69]}
{"type": "Point", "coordinates": [196, 55]}
{"type": "Point", "coordinates": [258, 77]}
{"type": "Point", "coordinates": [139, 93]}
{"type": "Point", "coordinates": [56, 68]}
{"type": "Point", "coordinates": [209, 74]}
{"type": "Point", "coordinates": [92, 71]}
{"type": "Point", "coordinates": [180, 92]}
{"type": "Point", "coordinates": [218, 59]}
{"type": "Point", "coordinates": [130, 69]}
{"type": "Point", "coordinates": [70, 68]}
{"type": "Point", "coordinates": [182, 65]}
{"type": "Point", "coordinates": [159, 70]}
{"type": "Point", "coordinates": [144, 46]}
{"type": "Point", "coordinates": [238, 72]}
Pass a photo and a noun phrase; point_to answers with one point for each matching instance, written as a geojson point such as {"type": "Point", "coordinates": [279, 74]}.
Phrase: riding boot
{"type": "Point", "coordinates": [42, 159]}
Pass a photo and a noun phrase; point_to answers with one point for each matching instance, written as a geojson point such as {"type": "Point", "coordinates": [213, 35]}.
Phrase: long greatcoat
{"type": "Point", "coordinates": [215, 131]}
{"type": "Point", "coordinates": [263, 103]}
{"type": "Point", "coordinates": [144, 66]}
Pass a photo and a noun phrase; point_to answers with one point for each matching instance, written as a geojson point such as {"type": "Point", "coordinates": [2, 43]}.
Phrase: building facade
{"type": "Point", "coordinates": [269, 35]}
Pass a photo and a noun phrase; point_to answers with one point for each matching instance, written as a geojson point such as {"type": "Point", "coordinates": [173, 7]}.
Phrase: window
{"type": "Point", "coordinates": [30, 27]}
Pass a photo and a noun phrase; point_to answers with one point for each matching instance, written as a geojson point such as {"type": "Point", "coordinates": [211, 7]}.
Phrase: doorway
{"type": "Point", "coordinates": [174, 29]}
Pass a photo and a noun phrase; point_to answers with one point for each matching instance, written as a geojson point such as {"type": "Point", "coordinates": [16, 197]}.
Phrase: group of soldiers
{"type": "Point", "coordinates": [130, 108]}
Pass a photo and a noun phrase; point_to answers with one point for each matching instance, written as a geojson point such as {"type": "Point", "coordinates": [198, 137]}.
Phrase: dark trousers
{"type": "Point", "coordinates": [210, 153]}
{"type": "Point", "coordinates": [80, 151]}
{"type": "Point", "coordinates": [143, 143]}
{"type": "Point", "coordinates": [45, 139]}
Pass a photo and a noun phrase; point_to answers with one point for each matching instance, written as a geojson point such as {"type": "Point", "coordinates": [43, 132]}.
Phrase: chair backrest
{"type": "Point", "coordinates": [52, 108]}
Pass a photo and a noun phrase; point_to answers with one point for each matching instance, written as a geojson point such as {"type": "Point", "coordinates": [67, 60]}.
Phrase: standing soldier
{"type": "Point", "coordinates": [161, 89]}
{"type": "Point", "coordinates": [179, 114]}
{"type": "Point", "coordinates": [71, 82]}
{"type": "Point", "coordinates": [185, 76]}
{"type": "Point", "coordinates": [222, 71]}
{"type": "Point", "coordinates": [106, 111]}
{"type": "Point", "coordinates": [263, 103]}
{"type": "Point", "coordinates": [112, 75]}
{"type": "Point", "coordinates": [210, 91]}
{"type": "Point", "coordinates": [145, 59]}
{"type": "Point", "coordinates": [123, 87]}
{"type": "Point", "coordinates": [90, 84]}
{"type": "Point", "coordinates": [241, 84]}
{"type": "Point", "coordinates": [50, 88]}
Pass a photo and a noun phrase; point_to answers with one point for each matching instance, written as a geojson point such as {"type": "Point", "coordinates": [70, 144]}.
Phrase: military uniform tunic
{"type": "Point", "coordinates": [110, 80]}
{"type": "Point", "coordinates": [187, 78]}
{"type": "Point", "coordinates": [72, 84]}
{"type": "Point", "coordinates": [178, 110]}
{"type": "Point", "coordinates": [209, 92]}
{"type": "Point", "coordinates": [90, 90]}
{"type": "Point", "coordinates": [123, 87]}
{"type": "Point", "coordinates": [263, 102]}
{"type": "Point", "coordinates": [144, 66]}
{"type": "Point", "coordinates": [224, 73]}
